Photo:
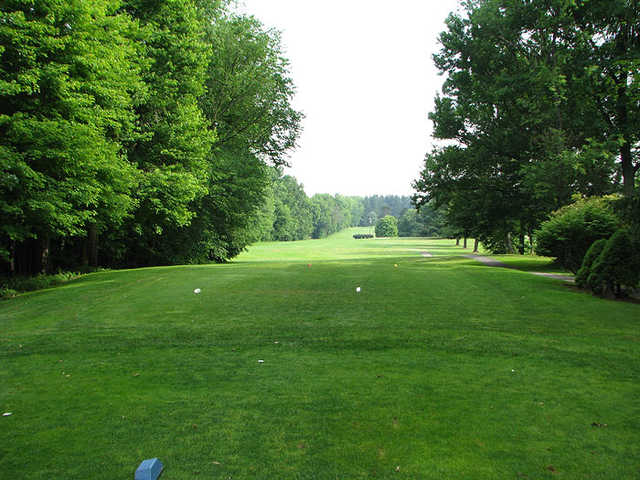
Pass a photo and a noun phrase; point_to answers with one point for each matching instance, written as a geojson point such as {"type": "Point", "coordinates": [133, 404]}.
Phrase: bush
{"type": "Point", "coordinates": [387, 226]}
{"type": "Point", "coordinates": [570, 231]}
{"type": "Point", "coordinates": [10, 286]}
{"type": "Point", "coordinates": [359, 236]}
{"type": "Point", "coordinates": [7, 292]}
{"type": "Point", "coordinates": [590, 257]}
{"type": "Point", "coordinates": [616, 268]}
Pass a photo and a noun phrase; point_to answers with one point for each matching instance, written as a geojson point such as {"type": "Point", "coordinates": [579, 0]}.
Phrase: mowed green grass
{"type": "Point", "coordinates": [440, 368]}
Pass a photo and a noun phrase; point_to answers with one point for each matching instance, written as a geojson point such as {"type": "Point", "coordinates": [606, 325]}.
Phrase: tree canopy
{"type": "Point", "coordinates": [136, 133]}
{"type": "Point", "coordinates": [539, 103]}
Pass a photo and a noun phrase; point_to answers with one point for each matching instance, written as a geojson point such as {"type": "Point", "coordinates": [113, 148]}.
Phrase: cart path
{"type": "Point", "coordinates": [492, 262]}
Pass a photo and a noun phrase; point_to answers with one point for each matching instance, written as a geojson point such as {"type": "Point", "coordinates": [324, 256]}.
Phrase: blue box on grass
{"type": "Point", "coordinates": [149, 469]}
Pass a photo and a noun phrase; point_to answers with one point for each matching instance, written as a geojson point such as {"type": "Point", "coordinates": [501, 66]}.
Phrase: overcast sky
{"type": "Point", "coordinates": [365, 81]}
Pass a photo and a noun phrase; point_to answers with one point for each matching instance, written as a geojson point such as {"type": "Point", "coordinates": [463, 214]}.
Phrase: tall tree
{"type": "Point", "coordinates": [610, 36]}
{"type": "Point", "coordinates": [68, 82]}
{"type": "Point", "coordinates": [518, 104]}
{"type": "Point", "coordinates": [174, 138]}
{"type": "Point", "coordinates": [248, 103]}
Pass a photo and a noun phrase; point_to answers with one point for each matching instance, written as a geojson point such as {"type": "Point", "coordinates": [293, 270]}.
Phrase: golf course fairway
{"type": "Point", "coordinates": [439, 367]}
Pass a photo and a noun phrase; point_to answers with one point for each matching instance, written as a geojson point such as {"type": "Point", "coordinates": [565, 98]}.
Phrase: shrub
{"type": "Point", "coordinates": [592, 254]}
{"type": "Point", "coordinates": [7, 292]}
{"type": "Point", "coordinates": [572, 230]}
{"type": "Point", "coordinates": [359, 236]}
{"type": "Point", "coordinates": [10, 286]}
{"type": "Point", "coordinates": [616, 268]}
{"type": "Point", "coordinates": [387, 226]}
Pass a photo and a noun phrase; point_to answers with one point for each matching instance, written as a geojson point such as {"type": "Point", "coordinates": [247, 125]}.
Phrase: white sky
{"type": "Point", "coordinates": [365, 81]}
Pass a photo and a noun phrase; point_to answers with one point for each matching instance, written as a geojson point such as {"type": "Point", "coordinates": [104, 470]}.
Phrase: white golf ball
{"type": "Point", "coordinates": [196, 291]}
{"type": "Point", "coordinates": [358, 289]}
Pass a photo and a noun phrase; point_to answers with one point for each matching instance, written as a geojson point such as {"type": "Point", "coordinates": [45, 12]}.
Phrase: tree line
{"type": "Point", "coordinates": [136, 133]}
{"type": "Point", "coordinates": [540, 105]}
{"type": "Point", "coordinates": [287, 213]}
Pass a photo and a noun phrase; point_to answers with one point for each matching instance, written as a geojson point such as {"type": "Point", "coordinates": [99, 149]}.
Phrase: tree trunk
{"type": "Point", "coordinates": [12, 258]}
{"type": "Point", "coordinates": [521, 239]}
{"type": "Point", "coordinates": [85, 253]}
{"type": "Point", "coordinates": [508, 244]}
{"type": "Point", "coordinates": [92, 244]}
{"type": "Point", "coordinates": [628, 170]}
{"type": "Point", "coordinates": [457, 241]}
{"type": "Point", "coordinates": [532, 252]}
{"type": "Point", "coordinates": [43, 259]}
{"type": "Point", "coordinates": [475, 245]}
{"type": "Point", "coordinates": [464, 242]}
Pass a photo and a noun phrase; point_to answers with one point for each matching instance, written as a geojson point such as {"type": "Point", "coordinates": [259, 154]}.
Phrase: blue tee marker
{"type": "Point", "coordinates": [149, 469]}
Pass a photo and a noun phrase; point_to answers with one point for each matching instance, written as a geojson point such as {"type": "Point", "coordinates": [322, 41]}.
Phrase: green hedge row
{"type": "Point", "coordinates": [611, 267]}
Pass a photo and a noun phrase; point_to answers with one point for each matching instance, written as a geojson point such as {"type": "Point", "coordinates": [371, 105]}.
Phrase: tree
{"type": "Point", "coordinates": [372, 218]}
{"type": "Point", "coordinates": [174, 139]}
{"type": "Point", "coordinates": [611, 50]}
{"type": "Point", "coordinates": [245, 97]}
{"type": "Point", "coordinates": [248, 102]}
{"type": "Point", "coordinates": [384, 205]}
{"type": "Point", "coordinates": [408, 225]}
{"type": "Point", "coordinates": [293, 214]}
{"type": "Point", "coordinates": [152, 125]}
{"type": "Point", "coordinates": [387, 226]}
{"type": "Point", "coordinates": [68, 81]}
{"type": "Point", "coordinates": [427, 222]}
{"type": "Point", "coordinates": [356, 210]}
{"type": "Point", "coordinates": [520, 107]}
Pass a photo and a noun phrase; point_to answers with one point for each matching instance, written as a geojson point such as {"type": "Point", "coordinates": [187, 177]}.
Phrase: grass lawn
{"type": "Point", "coordinates": [440, 368]}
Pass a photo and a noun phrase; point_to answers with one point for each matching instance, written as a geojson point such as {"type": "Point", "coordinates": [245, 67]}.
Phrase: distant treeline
{"type": "Point", "coordinates": [289, 214]}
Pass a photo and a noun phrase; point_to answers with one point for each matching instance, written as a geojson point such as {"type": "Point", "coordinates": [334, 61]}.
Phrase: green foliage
{"type": "Point", "coordinates": [6, 293]}
{"type": "Point", "coordinates": [360, 236]}
{"type": "Point", "coordinates": [172, 149]}
{"type": "Point", "coordinates": [68, 82]}
{"type": "Point", "coordinates": [426, 222]}
{"type": "Point", "coordinates": [330, 214]}
{"type": "Point", "coordinates": [387, 226]}
{"type": "Point", "coordinates": [292, 211]}
{"type": "Point", "coordinates": [249, 91]}
{"type": "Point", "coordinates": [247, 101]}
{"type": "Point", "coordinates": [10, 286]}
{"type": "Point", "coordinates": [590, 257]}
{"type": "Point", "coordinates": [535, 116]}
{"type": "Point", "coordinates": [616, 269]}
{"type": "Point", "coordinates": [377, 206]}
{"type": "Point", "coordinates": [139, 129]}
{"type": "Point", "coordinates": [571, 230]}
{"type": "Point", "coordinates": [408, 225]}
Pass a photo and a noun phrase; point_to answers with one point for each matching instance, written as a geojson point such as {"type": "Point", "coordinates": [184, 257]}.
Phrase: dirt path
{"type": "Point", "coordinates": [492, 262]}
